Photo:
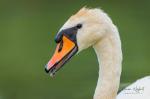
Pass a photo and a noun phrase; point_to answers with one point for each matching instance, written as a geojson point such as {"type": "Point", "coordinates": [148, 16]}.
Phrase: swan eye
{"type": "Point", "coordinates": [79, 26]}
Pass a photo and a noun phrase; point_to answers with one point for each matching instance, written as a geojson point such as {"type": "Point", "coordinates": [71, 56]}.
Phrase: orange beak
{"type": "Point", "coordinates": [64, 51]}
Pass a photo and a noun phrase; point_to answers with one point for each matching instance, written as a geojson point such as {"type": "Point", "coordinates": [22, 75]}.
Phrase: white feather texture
{"type": "Point", "coordinates": [138, 90]}
{"type": "Point", "coordinates": [99, 31]}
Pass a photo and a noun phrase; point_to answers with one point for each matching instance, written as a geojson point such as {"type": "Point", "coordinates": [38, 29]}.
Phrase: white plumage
{"type": "Point", "coordinates": [138, 90]}
{"type": "Point", "coordinates": [99, 31]}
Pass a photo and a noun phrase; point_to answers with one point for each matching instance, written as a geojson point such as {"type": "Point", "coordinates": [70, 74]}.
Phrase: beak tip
{"type": "Point", "coordinates": [46, 69]}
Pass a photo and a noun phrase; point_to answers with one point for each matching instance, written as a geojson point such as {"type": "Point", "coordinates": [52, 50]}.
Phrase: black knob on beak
{"type": "Point", "coordinates": [69, 32]}
{"type": "Point", "coordinates": [58, 37]}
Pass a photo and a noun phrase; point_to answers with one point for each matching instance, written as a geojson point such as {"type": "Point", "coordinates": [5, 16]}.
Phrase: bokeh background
{"type": "Point", "coordinates": [27, 30]}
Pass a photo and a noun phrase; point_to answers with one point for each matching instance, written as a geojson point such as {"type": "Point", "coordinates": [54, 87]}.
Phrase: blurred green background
{"type": "Point", "coordinates": [27, 30]}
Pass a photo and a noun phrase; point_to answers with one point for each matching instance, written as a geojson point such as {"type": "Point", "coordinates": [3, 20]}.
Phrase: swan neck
{"type": "Point", "coordinates": [109, 54]}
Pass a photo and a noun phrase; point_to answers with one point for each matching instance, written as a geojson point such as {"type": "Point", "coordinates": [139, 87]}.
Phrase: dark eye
{"type": "Point", "coordinates": [79, 26]}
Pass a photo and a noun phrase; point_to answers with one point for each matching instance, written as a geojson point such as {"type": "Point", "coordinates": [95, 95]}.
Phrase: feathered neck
{"type": "Point", "coordinates": [109, 56]}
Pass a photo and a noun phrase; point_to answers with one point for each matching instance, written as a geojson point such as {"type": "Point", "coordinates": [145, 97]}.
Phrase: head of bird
{"type": "Point", "coordinates": [81, 31]}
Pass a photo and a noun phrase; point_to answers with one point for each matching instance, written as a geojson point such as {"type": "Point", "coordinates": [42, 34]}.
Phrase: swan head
{"type": "Point", "coordinates": [81, 31]}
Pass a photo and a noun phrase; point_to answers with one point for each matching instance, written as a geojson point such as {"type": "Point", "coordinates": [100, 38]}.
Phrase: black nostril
{"type": "Point", "coordinates": [60, 46]}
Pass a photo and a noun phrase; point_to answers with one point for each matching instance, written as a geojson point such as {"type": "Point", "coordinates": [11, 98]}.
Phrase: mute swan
{"type": "Point", "coordinates": [93, 27]}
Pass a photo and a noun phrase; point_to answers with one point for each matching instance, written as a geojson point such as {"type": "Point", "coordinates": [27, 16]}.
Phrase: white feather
{"type": "Point", "coordinates": [138, 90]}
{"type": "Point", "coordinates": [99, 31]}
